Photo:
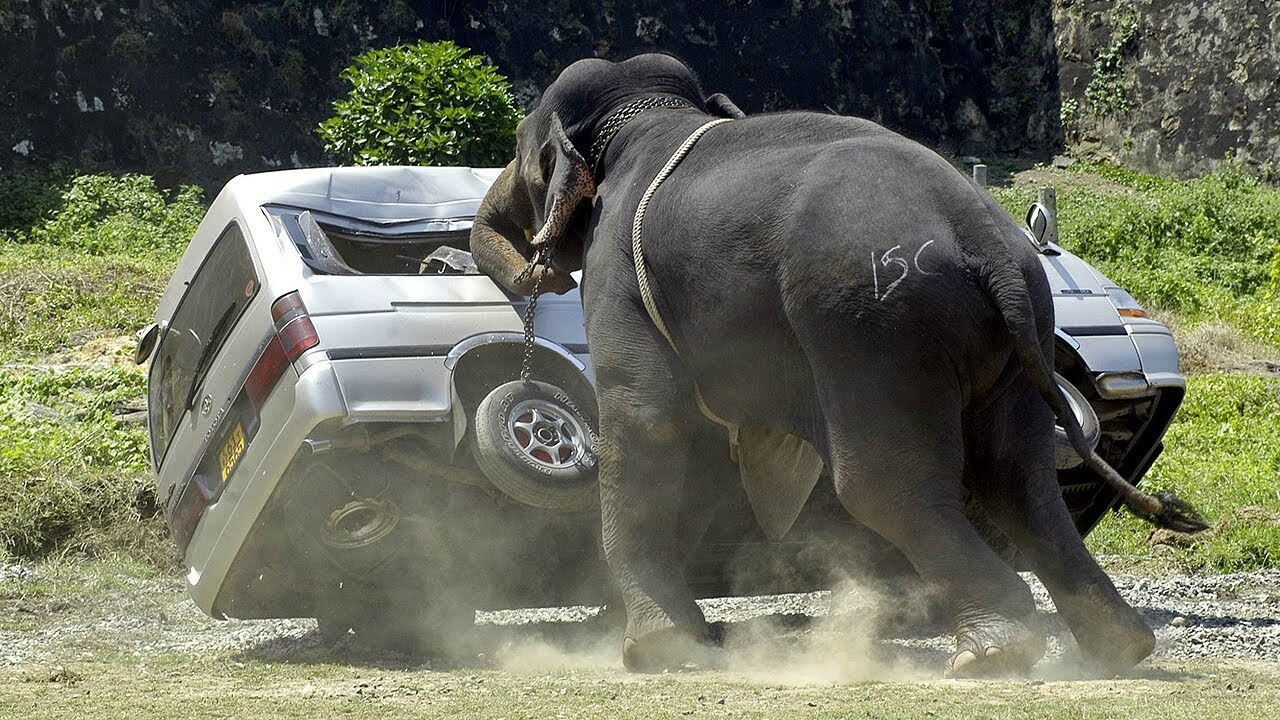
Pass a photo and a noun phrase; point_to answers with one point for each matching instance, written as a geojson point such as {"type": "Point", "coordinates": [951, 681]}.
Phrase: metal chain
{"type": "Point", "coordinates": [527, 361]}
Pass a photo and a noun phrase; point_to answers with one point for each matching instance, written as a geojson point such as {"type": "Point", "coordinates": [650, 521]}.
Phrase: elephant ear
{"type": "Point", "coordinates": [720, 105]}
{"type": "Point", "coordinates": [571, 182]}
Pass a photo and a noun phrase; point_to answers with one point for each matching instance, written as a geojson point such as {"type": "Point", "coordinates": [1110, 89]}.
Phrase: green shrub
{"type": "Point", "coordinates": [423, 104]}
{"type": "Point", "coordinates": [127, 214]}
{"type": "Point", "coordinates": [69, 469]}
{"type": "Point", "coordinates": [29, 194]}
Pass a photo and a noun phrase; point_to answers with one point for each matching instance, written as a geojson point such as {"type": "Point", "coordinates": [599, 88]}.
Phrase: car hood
{"type": "Point", "coordinates": [1080, 302]}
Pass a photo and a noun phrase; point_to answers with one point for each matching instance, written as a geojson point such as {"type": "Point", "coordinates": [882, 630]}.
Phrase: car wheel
{"type": "Point", "coordinates": [537, 445]}
{"type": "Point", "coordinates": [1066, 456]}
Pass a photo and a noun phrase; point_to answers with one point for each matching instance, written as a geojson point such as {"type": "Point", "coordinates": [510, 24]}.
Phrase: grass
{"type": "Point", "coordinates": [76, 278]}
{"type": "Point", "coordinates": [74, 476]}
{"type": "Point", "coordinates": [1207, 249]}
{"type": "Point", "coordinates": [1222, 454]}
{"type": "Point", "coordinates": [241, 687]}
{"type": "Point", "coordinates": [52, 297]}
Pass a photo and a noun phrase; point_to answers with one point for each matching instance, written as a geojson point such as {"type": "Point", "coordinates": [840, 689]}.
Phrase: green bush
{"type": "Point", "coordinates": [423, 104]}
{"type": "Point", "coordinates": [69, 469]}
{"type": "Point", "coordinates": [126, 214]}
{"type": "Point", "coordinates": [28, 194]}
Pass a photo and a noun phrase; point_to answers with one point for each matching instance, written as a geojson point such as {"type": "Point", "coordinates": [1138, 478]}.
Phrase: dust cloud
{"type": "Point", "coordinates": [848, 644]}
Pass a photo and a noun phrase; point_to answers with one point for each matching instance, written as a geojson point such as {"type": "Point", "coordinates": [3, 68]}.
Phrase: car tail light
{"type": "Point", "coordinates": [294, 335]}
{"type": "Point", "coordinates": [189, 508]}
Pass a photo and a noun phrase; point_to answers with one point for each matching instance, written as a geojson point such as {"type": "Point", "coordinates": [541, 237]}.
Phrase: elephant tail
{"type": "Point", "coordinates": [1007, 286]}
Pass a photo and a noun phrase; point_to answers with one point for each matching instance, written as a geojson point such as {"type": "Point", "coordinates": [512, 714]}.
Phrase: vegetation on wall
{"type": "Point", "coordinates": [423, 104]}
{"type": "Point", "coordinates": [1106, 93]}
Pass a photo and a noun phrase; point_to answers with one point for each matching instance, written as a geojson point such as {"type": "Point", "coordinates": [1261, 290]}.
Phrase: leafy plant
{"type": "Point", "coordinates": [423, 104]}
{"type": "Point", "coordinates": [28, 194]}
{"type": "Point", "coordinates": [126, 214]}
{"type": "Point", "coordinates": [1106, 90]}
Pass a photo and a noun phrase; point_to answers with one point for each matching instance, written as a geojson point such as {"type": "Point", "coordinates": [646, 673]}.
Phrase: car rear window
{"type": "Point", "coordinates": [222, 288]}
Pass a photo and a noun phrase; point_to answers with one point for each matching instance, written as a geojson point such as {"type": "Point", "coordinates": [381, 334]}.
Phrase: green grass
{"type": "Point", "coordinates": [53, 297]}
{"type": "Point", "coordinates": [1206, 249]}
{"type": "Point", "coordinates": [87, 261]}
{"type": "Point", "coordinates": [73, 477]}
{"type": "Point", "coordinates": [1222, 454]}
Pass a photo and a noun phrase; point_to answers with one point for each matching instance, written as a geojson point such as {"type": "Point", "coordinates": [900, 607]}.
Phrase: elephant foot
{"type": "Point", "coordinates": [668, 649]}
{"type": "Point", "coordinates": [1113, 645]}
{"type": "Point", "coordinates": [995, 647]}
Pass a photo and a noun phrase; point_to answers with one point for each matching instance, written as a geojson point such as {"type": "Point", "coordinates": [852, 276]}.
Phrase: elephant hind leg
{"type": "Point", "coordinates": [897, 461]}
{"type": "Point", "coordinates": [1012, 452]}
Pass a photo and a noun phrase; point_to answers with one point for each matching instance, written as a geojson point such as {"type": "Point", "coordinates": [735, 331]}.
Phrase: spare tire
{"type": "Point", "coordinates": [537, 445]}
{"type": "Point", "coordinates": [1066, 456]}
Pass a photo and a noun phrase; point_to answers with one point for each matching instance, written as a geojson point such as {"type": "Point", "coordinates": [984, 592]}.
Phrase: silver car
{"type": "Point", "coordinates": [337, 430]}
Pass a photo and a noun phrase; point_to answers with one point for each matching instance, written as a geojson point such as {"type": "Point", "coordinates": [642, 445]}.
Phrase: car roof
{"type": "Point", "coordinates": [374, 194]}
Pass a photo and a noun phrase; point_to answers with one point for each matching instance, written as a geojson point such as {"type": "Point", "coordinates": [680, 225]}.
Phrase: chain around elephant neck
{"type": "Point", "coordinates": [620, 118]}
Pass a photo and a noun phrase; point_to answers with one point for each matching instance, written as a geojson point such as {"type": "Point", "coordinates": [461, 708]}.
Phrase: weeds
{"type": "Point", "coordinates": [70, 470]}
{"type": "Point", "coordinates": [1207, 249]}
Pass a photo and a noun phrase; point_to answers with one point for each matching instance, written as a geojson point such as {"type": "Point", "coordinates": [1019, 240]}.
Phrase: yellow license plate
{"type": "Point", "coordinates": [231, 452]}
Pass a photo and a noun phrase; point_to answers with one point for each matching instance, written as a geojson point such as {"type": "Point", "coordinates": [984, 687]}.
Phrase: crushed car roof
{"type": "Point", "coordinates": [379, 195]}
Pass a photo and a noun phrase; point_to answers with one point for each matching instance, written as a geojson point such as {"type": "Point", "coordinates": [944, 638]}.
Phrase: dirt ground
{"type": "Point", "coordinates": [99, 641]}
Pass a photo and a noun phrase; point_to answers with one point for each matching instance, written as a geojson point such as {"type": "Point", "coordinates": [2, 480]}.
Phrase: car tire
{"type": "Point", "coordinates": [1066, 456]}
{"type": "Point", "coordinates": [537, 445]}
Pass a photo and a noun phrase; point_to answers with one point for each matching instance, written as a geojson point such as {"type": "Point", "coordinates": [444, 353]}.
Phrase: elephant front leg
{"type": "Point", "coordinates": [645, 448]}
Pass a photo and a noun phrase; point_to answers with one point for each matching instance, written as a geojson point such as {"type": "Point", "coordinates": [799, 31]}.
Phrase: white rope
{"type": "Point", "coordinates": [642, 274]}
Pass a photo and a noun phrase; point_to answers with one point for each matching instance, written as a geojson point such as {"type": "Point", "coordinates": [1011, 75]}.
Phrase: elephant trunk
{"type": "Point", "coordinates": [500, 233]}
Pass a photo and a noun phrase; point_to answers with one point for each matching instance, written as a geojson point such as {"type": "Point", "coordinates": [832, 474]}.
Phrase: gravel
{"type": "Point", "coordinates": [1229, 616]}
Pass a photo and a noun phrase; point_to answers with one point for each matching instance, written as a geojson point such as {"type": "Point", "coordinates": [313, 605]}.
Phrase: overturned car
{"type": "Point", "coordinates": [335, 431]}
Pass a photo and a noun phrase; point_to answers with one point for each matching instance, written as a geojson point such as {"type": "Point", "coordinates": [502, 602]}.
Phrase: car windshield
{"type": "Point", "coordinates": [222, 288]}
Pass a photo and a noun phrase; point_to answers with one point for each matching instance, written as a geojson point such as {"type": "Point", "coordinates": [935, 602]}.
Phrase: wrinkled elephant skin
{"type": "Point", "coordinates": [831, 279]}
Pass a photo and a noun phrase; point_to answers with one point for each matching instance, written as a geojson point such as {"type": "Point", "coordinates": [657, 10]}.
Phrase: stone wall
{"type": "Point", "coordinates": [197, 91]}
{"type": "Point", "coordinates": [1171, 87]}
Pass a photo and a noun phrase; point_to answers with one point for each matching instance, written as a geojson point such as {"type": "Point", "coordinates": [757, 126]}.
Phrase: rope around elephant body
{"type": "Point", "coordinates": [642, 274]}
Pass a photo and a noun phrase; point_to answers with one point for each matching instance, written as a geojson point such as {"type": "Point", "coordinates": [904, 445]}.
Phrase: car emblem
{"type": "Point", "coordinates": [206, 405]}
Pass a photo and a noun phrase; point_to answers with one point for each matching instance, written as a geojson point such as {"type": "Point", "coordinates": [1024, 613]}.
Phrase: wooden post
{"type": "Point", "coordinates": [980, 174]}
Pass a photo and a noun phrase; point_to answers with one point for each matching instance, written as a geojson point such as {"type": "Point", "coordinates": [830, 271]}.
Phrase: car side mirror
{"type": "Point", "coordinates": [147, 338]}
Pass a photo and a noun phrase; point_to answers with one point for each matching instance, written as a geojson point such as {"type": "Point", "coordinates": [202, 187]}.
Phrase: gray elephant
{"type": "Point", "coordinates": [823, 292]}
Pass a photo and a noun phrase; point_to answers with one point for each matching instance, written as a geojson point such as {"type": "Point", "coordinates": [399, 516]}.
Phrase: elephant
{"type": "Point", "coordinates": [819, 280]}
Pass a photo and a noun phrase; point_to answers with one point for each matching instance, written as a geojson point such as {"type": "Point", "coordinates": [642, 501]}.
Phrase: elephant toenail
{"type": "Point", "coordinates": [994, 652]}
{"type": "Point", "coordinates": [959, 662]}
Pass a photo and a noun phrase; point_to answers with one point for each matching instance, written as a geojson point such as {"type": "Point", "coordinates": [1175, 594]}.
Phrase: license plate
{"type": "Point", "coordinates": [231, 452]}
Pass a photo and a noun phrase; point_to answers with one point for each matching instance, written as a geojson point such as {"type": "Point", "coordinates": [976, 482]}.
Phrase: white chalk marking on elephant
{"type": "Point", "coordinates": [916, 259]}
{"type": "Point", "coordinates": [886, 260]}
